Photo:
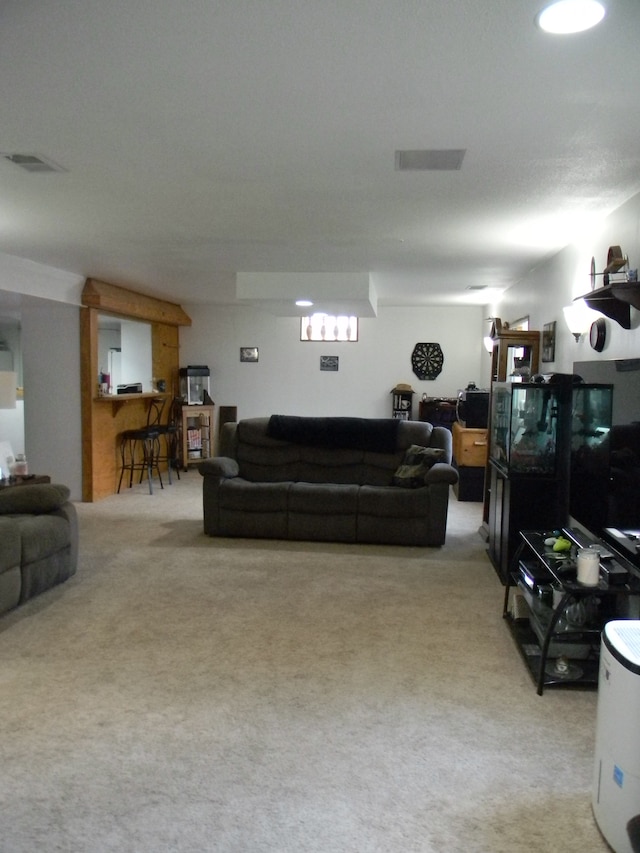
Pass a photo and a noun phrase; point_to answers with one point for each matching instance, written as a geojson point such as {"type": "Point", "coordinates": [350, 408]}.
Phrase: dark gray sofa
{"type": "Point", "coordinates": [39, 536]}
{"type": "Point", "coordinates": [332, 481]}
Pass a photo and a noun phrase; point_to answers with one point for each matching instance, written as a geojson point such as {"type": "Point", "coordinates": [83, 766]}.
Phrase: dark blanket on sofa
{"type": "Point", "coordinates": [374, 434]}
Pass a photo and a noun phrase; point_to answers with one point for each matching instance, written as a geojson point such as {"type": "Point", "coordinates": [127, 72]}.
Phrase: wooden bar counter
{"type": "Point", "coordinates": [104, 418]}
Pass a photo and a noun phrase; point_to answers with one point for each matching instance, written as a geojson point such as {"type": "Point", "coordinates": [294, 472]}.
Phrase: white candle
{"type": "Point", "coordinates": [588, 567]}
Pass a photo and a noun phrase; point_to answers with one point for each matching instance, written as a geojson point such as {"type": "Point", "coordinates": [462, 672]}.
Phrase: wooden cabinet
{"type": "Point", "coordinates": [196, 434]}
{"type": "Point", "coordinates": [515, 353]}
{"type": "Point", "coordinates": [469, 446]}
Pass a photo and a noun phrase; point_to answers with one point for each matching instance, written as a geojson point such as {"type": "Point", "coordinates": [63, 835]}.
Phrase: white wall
{"type": "Point", "coordinates": [51, 361]}
{"type": "Point", "coordinates": [47, 304]}
{"type": "Point", "coordinates": [543, 293]}
{"type": "Point", "coordinates": [287, 378]}
{"type": "Point", "coordinates": [12, 427]}
{"type": "Point", "coordinates": [135, 356]}
{"type": "Point", "coordinates": [12, 420]}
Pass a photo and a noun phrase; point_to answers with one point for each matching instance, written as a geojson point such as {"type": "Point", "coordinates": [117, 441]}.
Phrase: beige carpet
{"type": "Point", "coordinates": [183, 693]}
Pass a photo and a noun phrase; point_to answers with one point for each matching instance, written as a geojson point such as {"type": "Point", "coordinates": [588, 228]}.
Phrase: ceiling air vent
{"type": "Point", "coordinates": [33, 163]}
{"type": "Point", "coordinates": [476, 287]}
{"type": "Point", "coordinates": [430, 160]}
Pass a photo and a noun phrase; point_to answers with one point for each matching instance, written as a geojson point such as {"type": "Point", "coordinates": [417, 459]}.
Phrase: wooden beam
{"type": "Point", "coordinates": [118, 300]}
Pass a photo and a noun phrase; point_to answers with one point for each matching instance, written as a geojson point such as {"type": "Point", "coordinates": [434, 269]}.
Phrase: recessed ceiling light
{"type": "Point", "coordinates": [570, 16]}
{"type": "Point", "coordinates": [304, 303]}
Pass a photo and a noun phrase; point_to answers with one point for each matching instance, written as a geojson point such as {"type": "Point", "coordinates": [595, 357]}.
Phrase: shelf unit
{"type": "Point", "coordinates": [615, 300]}
{"type": "Point", "coordinates": [402, 404]}
{"type": "Point", "coordinates": [196, 434]}
{"type": "Point", "coordinates": [545, 631]}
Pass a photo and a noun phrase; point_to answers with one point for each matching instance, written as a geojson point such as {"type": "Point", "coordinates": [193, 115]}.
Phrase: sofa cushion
{"type": "Point", "coordinates": [323, 512]}
{"type": "Point", "coordinates": [262, 458]}
{"type": "Point", "coordinates": [34, 498]}
{"type": "Point", "coordinates": [387, 502]}
{"type": "Point", "coordinates": [418, 432]}
{"type": "Point", "coordinates": [325, 465]}
{"type": "Point", "coordinates": [241, 494]}
{"type": "Point", "coordinates": [415, 465]}
{"type": "Point", "coordinates": [42, 535]}
{"type": "Point", "coordinates": [11, 547]}
{"type": "Point", "coordinates": [323, 498]}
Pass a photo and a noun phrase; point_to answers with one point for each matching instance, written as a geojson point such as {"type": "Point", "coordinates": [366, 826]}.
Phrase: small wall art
{"type": "Point", "coordinates": [248, 353]}
{"type": "Point", "coordinates": [329, 362]}
{"type": "Point", "coordinates": [549, 341]}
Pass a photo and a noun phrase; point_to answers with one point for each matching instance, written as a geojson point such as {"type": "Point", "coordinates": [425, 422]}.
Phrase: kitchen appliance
{"type": "Point", "coordinates": [194, 384]}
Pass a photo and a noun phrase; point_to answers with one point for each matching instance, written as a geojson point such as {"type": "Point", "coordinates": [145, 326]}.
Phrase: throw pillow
{"type": "Point", "coordinates": [417, 461]}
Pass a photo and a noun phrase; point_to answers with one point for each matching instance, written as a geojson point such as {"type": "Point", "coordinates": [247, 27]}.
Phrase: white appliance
{"type": "Point", "coordinates": [616, 777]}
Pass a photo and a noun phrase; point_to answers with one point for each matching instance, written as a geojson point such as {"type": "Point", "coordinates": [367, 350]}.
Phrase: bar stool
{"type": "Point", "coordinates": [168, 432]}
{"type": "Point", "coordinates": [140, 448]}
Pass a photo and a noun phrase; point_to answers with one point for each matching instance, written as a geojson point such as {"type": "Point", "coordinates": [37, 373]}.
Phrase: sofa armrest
{"type": "Point", "coordinates": [222, 467]}
{"type": "Point", "coordinates": [441, 437]}
{"type": "Point", "coordinates": [33, 498]}
{"type": "Point", "coordinates": [441, 472]}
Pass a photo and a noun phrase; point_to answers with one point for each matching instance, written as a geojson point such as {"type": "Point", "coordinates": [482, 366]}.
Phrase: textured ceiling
{"type": "Point", "coordinates": [210, 137]}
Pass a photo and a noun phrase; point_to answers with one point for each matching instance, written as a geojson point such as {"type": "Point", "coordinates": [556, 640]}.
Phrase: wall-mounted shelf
{"type": "Point", "coordinates": [615, 300]}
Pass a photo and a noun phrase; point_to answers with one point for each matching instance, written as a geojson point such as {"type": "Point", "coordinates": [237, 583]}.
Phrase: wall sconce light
{"type": "Point", "coordinates": [8, 389]}
{"type": "Point", "coordinates": [579, 317]}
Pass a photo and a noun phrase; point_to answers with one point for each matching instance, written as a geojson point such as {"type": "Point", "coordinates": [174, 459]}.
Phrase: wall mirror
{"type": "Point", "coordinates": [125, 351]}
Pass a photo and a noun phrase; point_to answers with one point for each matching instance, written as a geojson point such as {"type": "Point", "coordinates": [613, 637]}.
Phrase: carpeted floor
{"type": "Point", "coordinates": [182, 693]}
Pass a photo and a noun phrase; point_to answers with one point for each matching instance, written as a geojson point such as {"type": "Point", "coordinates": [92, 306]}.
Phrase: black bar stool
{"type": "Point", "coordinates": [169, 434]}
{"type": "Point", "coordinates": [140, 448]}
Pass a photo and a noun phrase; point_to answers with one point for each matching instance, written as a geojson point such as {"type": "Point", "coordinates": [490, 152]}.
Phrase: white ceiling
{"type": "Point", "coordinates": [208, 137]}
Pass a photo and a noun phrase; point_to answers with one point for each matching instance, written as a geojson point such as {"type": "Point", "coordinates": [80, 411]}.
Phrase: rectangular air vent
{"type": "Point", "coordinates": [33, 163]}
{"type": "Point", "coordinates": [431, 159]}
{"type": "Point", "coordinates": [477, 287]}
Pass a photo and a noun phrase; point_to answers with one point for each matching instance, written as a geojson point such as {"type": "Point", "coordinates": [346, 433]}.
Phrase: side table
{"type": "Point", "coordinates": [24, 481]}
{"type": "Point", "coordinates": [546, 632]}
{"type": "Point", "coordinates": [197, 434]}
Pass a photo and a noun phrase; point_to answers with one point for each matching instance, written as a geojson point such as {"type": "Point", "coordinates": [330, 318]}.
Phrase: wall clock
{"type": "Point", "coordinates": [427, 360]}
{"type": "Point", "coordinates": [598, 334]}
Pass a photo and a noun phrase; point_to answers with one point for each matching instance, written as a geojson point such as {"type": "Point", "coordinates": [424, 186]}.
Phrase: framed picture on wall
{"type": "Point", "coordinates": [329, 362]}
{"type": "Point", "coordinates": [248, 353]}
{"type": "Point", "coordinates": [549, 341]}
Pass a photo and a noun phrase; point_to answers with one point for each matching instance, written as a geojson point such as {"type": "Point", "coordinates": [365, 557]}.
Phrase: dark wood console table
{"type": "Point", "coordinates": [24, 481]}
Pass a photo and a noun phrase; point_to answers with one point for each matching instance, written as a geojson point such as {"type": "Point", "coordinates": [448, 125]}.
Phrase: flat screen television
{"type": "Point", "coordinates": [607, 502]}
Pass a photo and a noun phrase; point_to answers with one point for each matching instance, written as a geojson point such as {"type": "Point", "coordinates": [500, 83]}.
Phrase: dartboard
{"type": "Point", "coordinates": [427, 360]}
